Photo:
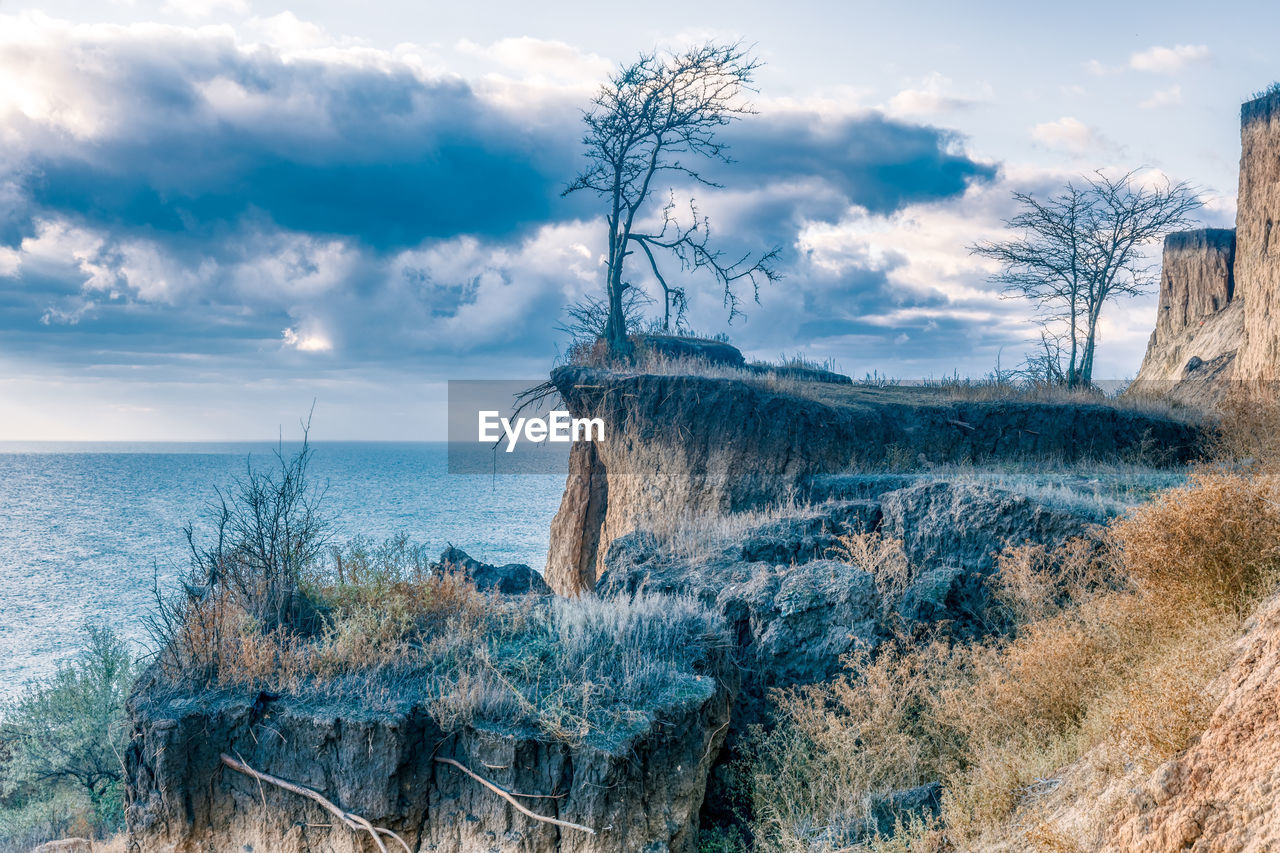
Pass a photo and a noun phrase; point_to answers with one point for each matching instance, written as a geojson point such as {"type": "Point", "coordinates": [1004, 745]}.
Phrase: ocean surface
{"type": "Point", "coordinates": [84, 527]}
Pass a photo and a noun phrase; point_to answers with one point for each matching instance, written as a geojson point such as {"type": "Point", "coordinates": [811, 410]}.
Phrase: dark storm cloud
{"type": "Point", "coordinates": [868, 160]}
{"type": "Point", "coordinates": [218, 195]}
{"type": "Point", "coordinates": [379, 156]}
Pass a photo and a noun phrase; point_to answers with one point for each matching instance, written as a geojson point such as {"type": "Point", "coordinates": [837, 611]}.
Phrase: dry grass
{"type": "Point", "coordinates": [1249, 427]}
{"type": "Point", "coordinates": [1112, 654]}
{"type": "Point", "coordinates": [881, 557]}
{"type": "Point", "coordinates": [394, 633]}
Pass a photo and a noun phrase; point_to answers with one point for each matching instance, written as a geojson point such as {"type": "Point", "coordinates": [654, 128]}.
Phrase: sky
{"type": "Point", "coordinates": [215, 212]}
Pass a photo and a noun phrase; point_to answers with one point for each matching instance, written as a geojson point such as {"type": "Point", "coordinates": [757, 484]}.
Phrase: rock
{"type": "Point", "coordinates": [65, 845]}
{"type": "Point", "coordinates": [1199, 321]}
{"type": "Point", "coordinates": [888, 811]}
{"type": "Point", "coordinates": [802, 372]}
{"type": "Point", "coordinates": [511, 579]}
{"type": "Point", "coordinates": [792, 624]}
{"type": "Point", "coordinates": [1219, 314]}
{"type": "Point", "coordinates": [1197, 278]}
{"type": "Point", "coordinates": [809, 536]}
{"type": "Point", "coordinates": [1219, 795]}
{"type": "Point", "coordinates": [701, 349]}
{"type": "Point", "coordinates": [945, 523]}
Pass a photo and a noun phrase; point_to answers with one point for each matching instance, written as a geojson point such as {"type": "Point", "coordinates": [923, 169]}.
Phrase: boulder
{"type": "Point", "coordinates": [65, 845]}
{"type": "Point", "coordinates": [511, 579]}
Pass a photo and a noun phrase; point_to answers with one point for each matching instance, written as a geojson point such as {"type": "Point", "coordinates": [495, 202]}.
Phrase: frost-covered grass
{"type": "Point", "coordinates": [393, 633]}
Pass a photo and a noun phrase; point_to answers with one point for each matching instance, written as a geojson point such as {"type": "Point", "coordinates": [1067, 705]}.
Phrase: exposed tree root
{"type": "Point", "coordinates": [510, 796]}
{"type": "Point", "coordinates": [354, 822]}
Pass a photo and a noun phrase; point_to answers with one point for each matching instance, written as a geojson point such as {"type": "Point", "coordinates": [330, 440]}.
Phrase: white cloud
{"type": "Point", "coordinates": [307, 341]}
{"type": "Point", "coordinates": [934, 94]}
{"type": "Point", "coordinates": [204, 8]}
{"type": "Point", "coordinates": [1169, 60]}
{"type": "Point", "coordinates": [1163, 98]}
{"type": "Point", "coordinates": [1071, 135]}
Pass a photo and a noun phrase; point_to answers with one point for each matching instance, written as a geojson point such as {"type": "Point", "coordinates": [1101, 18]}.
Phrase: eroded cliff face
{"type": "Point", "coordinates": [1258, 249]}
{"type": "Point", "coordinates": [1197, 279]}
{"type": "Point", "coordinates": [383, 767]}
{"type": "Point", "coordinates": [1219, 314]}
{"type": "Point", "coordinates": [682, 447]}
{"type": "Point", "coordinates": [1218, 796]}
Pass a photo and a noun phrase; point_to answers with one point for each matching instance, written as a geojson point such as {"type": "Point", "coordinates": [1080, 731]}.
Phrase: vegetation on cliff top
{"type": "Point", "coordinates": [269, 605]}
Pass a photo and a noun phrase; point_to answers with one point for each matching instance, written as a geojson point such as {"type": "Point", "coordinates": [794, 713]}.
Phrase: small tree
{"type": "Point", "coordinates": [650, 115]}
{"type": "Point", "coordinates": [69, 731]}
{"type": "Point", "coordinates": [1080, 249]}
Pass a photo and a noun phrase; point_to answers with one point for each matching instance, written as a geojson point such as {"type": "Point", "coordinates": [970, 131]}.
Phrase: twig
{"type": "Point", "coordinates": [510, 798]}
{"type": "Point", "coordinates": [352, 821]}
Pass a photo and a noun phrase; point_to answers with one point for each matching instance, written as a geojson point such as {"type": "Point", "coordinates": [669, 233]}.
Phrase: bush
{"type": "Point", "coordinates": [1110, 652]}
{"type": "Point", "coordinates": [60, 746]}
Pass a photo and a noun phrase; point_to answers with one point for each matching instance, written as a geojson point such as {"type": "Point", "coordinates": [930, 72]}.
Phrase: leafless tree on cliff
{"type": "Point", "coordinates": [645, 124]}
{"type": "Point", "coordinates": [1081, 248]}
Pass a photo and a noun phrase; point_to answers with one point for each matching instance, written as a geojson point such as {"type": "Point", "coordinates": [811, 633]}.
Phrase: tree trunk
{"type": "Point", "coordinates": [615, 330]}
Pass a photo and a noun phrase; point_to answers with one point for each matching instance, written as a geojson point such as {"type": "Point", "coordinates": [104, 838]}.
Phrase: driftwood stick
{"type": "Point", "coordinates": [511, 798]}
{"type": "Point", "coordinates": [354, 822]}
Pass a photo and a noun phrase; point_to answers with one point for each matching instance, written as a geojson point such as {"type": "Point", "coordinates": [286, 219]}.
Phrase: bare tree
{"type": "Point", "coordinates": [1082, 248]}
{"type": "Point", "coordinates": [650, 115]}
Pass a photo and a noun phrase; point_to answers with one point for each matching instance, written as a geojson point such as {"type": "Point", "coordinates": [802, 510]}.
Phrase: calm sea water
{"type": "Point", "coordinates": [83, 527]}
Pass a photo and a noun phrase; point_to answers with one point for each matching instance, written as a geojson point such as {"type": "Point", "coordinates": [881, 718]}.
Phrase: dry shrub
{"type": "Point", "coordinates": [1249, 424]}
{"type": "Point", "coordinates": [1033, 582]}
{"type": "Point", "coordinates": [1113, 651]}
{"type": "Point", "coordinates": [1215, 539]}
{"type": "Point", "coordinates": [836, 744]}
{"type": "Point", "coordinates": [883, 558]}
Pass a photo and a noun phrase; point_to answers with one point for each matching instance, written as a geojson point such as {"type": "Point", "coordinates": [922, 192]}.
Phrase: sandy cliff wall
{"type": "Point", "coordinates": [1199, 322]}
{"type": "Point", "coordinates": [1219, 314]}
{"type": "Point", "coordinates": [1196, 279]}
{"type": "Point", "coordinates": [1258, 249]}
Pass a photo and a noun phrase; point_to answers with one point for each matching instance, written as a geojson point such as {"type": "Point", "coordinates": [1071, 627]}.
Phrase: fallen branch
{"type": "Point", "coordinates": [510, 797]}
{"type": "Point", "coordinates": [354, 822]}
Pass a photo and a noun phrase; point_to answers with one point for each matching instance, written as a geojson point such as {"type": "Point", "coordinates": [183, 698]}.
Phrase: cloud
{"type": "Point", "coordinates": [1163, 98]}
{"type": "Point", "coordinates": [933, 95]}
{"type": "Point", "coordinates": [1070, 134]}
{"type": "Point", "coordinates": [1169, 60]}
{"type": "Point", "coordinates": [202, 201]}
{"type": "Point", "coordinates": [204, 8]}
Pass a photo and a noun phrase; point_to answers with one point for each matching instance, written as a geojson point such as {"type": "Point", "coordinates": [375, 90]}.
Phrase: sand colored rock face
{"type": "Point", "coordinates": [1196, 279]}
{"type": "Point", "coordinates": [1258, 249]}
{"type": "Point", "coordinates": [1219, 796]}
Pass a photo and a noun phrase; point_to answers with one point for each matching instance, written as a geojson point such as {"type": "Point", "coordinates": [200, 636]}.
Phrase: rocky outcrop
{"type": "Point", "coordinates": [1197, 279]}
{"type": "Point", "coordinates": [511, 579]}
{"type": "Point", "coordinates": [1219, 312]}
{"type": "Point", "coordinates": [795, 612]}
{"type": "Point", "coordinates": [1199, 323]}
{"type": "Point", "coordinates": [690, 446]}
{"type": "Point", "coordinates": [644, 795]}
{"type": "Point", "coordinates": [1257, 268]}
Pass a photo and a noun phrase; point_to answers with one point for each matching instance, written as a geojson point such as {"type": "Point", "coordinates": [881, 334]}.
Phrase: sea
{"type": "Point", "coordinates": [86, 528]}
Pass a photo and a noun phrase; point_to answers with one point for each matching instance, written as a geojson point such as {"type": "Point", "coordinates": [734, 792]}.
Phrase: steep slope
{"type": "Point", "coordinates": [682, 446]}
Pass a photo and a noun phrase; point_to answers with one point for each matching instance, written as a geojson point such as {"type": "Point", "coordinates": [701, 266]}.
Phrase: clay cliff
{"type": "Point", "coordinates": [688, 446]}
{"type": "Point", "coordinates": [1219, 312]}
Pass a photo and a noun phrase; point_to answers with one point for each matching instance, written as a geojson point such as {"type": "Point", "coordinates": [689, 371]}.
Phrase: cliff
{"type": "Point", "coordinates": [384, 767]}
{"type": "Point", "coordinates": [685, 446]}
{"type": "Point", "coordinates": [1219, 311]}
{"type": "Point", "coordinates": [1199, 322]}
{"type": "Point", "coordinates": [1257, 261]}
